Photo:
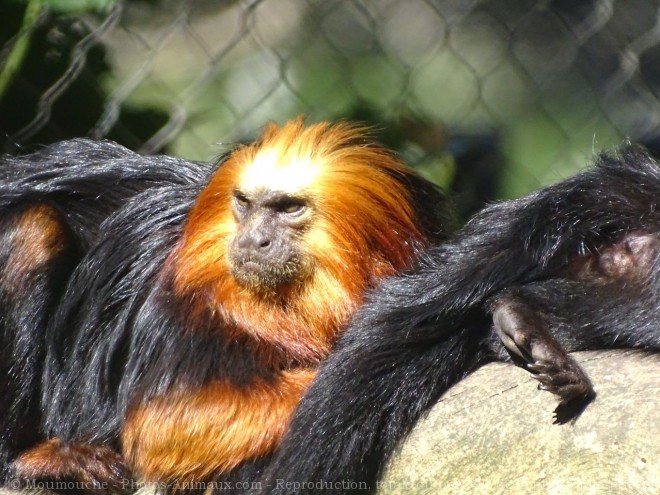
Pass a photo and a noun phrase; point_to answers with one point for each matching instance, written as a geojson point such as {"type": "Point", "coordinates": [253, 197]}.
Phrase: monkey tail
{"type": "Point", "coordinates": [389, 383]}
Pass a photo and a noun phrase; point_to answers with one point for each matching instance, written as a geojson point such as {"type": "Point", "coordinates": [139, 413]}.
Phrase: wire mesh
{"type": "Point", "coordinates": [516, 92]}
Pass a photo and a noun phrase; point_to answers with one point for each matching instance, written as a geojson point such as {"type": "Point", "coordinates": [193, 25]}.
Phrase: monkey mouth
{"type": "Point", "coordinates": [253, 266]}
{"type": "Point", "coordinates": [252, 273]}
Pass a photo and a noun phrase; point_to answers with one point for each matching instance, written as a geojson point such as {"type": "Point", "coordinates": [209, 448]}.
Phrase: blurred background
{"type": "Point", "coordinates": [490, 98]}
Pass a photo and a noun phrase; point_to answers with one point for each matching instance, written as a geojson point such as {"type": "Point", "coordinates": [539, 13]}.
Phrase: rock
{"type": "Point", "coordinates": [493, 433]}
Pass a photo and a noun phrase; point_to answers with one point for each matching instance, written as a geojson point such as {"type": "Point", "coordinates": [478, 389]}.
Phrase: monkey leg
{"type": "Point", "coordinates": [524, 333]}
{"type": "Point", "coordinates": [85, 467]}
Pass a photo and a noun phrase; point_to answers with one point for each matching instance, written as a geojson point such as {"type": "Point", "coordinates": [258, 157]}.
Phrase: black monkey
{"type": "Point", "coordinates": [52, 203]}
{"type": "Point", "coordinates": [573, 265]}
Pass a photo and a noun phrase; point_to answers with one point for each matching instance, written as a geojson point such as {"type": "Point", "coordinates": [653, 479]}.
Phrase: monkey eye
{"type": "Point", "coordinates": [241, 200]}
{"type": "Point", "coordinates": [292, 207]}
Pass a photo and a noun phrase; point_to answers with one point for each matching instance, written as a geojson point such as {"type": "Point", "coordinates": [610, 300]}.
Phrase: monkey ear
{"type": "Point", "coordinates": [631, 256]}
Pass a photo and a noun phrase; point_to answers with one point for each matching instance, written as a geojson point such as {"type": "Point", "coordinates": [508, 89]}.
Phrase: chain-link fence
{"type": "Point", "coordinates": [493, 97]}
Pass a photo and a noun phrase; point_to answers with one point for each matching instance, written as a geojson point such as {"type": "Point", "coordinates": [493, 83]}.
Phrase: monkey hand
{"type": "Point", "coordinates": [569, 382]}
{"type": "Point", "coordinates": [531, 347]}
{"type": "Point", "coordinates": [83, 467]}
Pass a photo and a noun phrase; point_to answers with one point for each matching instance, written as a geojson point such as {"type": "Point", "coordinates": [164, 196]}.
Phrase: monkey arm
{"type": "Point", "coordinates": [605, 298]}
{"type": "Point", "coordinates": [540, 322]}
{"type": "Point", "coordinates": [189, 435]}
{"type": "Point", "coordinates": [369, 393]}
{"type": "Point", "coordinates": [182, 436]}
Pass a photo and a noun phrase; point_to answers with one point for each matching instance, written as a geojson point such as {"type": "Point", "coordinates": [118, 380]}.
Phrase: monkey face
{"type": "Point", "coordinates": [308, 217]}
{"type": "Point", "coordinates": [265, 253]}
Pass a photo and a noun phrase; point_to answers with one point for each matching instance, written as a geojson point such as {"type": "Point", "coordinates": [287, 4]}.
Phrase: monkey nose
{"type": "Point", "coordinates": [264, 243]}
{"type": "Point", "coordinates": [255, 242]}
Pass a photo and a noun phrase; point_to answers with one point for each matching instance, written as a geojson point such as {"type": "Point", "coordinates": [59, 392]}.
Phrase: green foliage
{"type": "Point", "coordinates": [73, 6]}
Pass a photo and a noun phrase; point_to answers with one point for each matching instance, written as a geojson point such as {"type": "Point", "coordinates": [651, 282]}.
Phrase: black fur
{"type": "Point", "coordinates": [425, 330]}
{"type": "Point", "coordinates": [81, 182]}
{"type": "Point", "coordinates": [25, 303]}
{"type": "Point", "coordinates": [131, 339]}
{"type": "Point", "coordinates": [87, 180]}
{"type": "Point", "coordinates": [115, 336]}
{"type": "Point", "coordinates": [115, 333]}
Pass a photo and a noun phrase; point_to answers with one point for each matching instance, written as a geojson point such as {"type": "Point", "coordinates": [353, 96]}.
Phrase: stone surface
{"type": "Point", "coordinates": [493, 434]}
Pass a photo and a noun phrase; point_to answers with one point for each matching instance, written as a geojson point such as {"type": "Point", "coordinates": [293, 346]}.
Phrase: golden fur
{"type": "Point", "coordinates": [363, 229]}
{"type": "Point", "coordinates": [189, 435]}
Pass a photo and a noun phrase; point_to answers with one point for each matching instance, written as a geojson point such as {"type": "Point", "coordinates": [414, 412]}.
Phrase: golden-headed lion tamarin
{"type": "Point", "coordinates": [194, 321]}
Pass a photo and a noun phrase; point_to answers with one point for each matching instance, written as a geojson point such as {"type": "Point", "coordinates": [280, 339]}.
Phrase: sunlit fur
{"type": "Point", "coordinates": [190, 435]}
{"type": "Point", "coordinates": [363, 228]}
{"type": "Point", "coordinates": [423, 331]}
{"type": "Point", "coordinates": [159, 354]}
{"type": "Point", "coordinates": [35, 240]}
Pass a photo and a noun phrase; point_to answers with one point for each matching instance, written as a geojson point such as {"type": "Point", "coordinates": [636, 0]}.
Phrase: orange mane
{"type": "Point", "coordinates": [364, 228]}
